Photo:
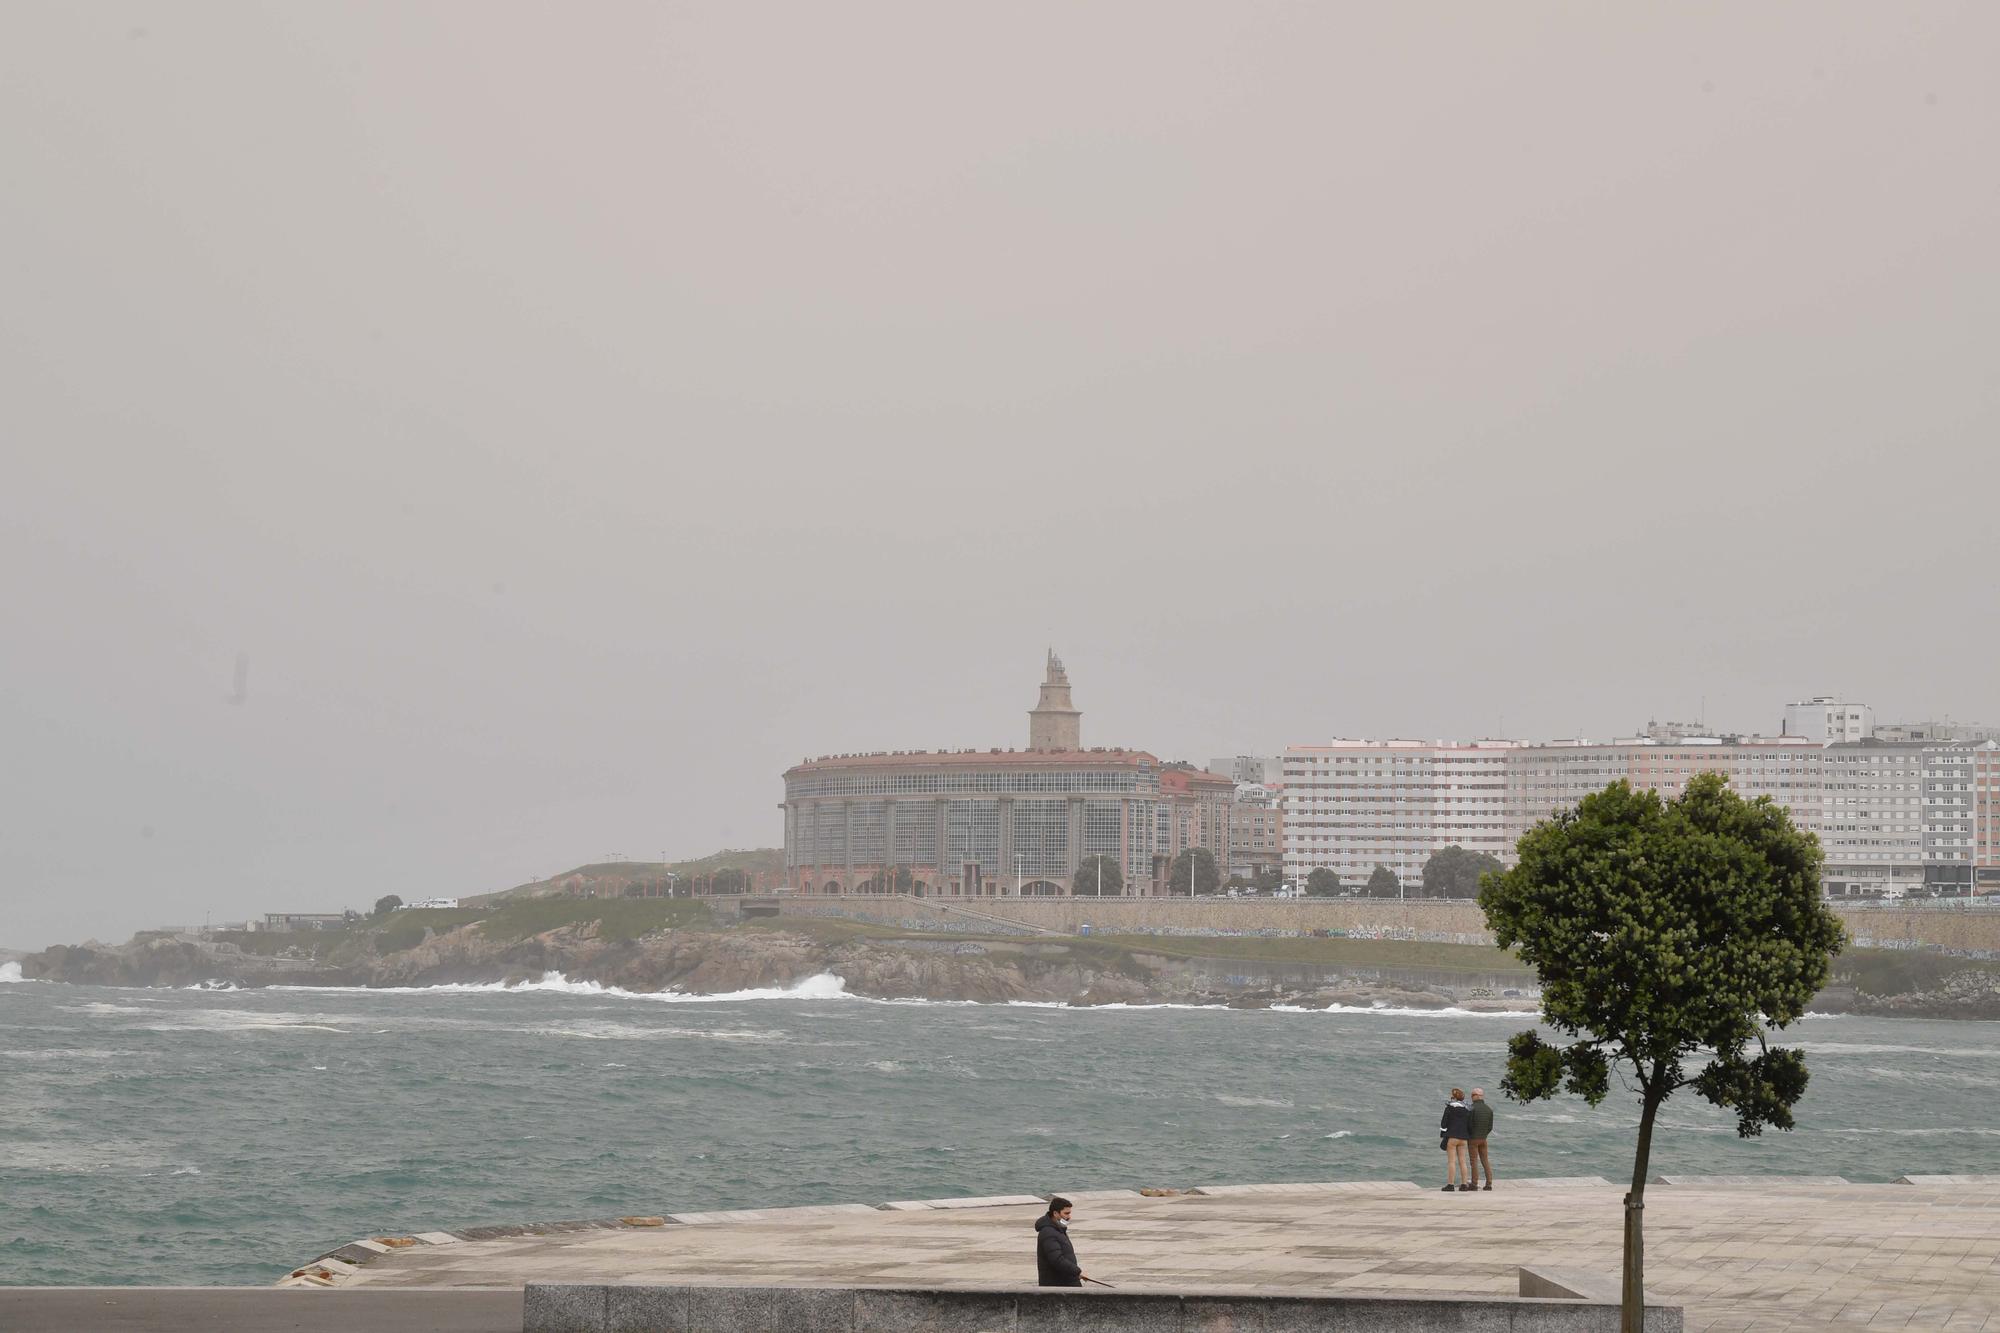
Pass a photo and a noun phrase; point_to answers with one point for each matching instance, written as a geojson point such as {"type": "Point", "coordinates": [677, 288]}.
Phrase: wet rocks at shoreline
{"type": "Point", "coordinates": [717, 962]}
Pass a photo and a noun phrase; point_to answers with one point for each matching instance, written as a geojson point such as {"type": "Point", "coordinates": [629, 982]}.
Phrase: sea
{"type": "Point", "coordinates": [207, 1136]}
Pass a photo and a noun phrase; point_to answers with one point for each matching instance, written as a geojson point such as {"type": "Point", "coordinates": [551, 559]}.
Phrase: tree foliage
{"type": "Point", "coordinates": [1322, 883]}
{"type": "Point", "coordinates": [386, 904]}
{"type": "Point", "coordinates": [1663, 931]}
{"type": "Point", "coordinates": [1198, 861]}
{"type": "Point", "coordinates": [897, 879]}
{"type": "Point", "coordinates": [1454, 872]}
{"type": "Point", "coordinates": [1086, 881]}
{"type": "Point", "coordinates": [1382, 883]}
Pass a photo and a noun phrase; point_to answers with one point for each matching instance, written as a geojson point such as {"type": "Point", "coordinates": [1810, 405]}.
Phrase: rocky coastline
{"type": "Point", "coordinates": [723, 961]}
{"type": "Point", "coordinates": [720, 961]}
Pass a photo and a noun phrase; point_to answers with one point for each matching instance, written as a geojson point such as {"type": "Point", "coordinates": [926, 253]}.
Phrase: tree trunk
{"type": "Point", "coordinates": [1632, 1310]}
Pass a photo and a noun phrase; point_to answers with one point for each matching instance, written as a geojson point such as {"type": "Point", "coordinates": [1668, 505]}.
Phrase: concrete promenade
{"type": "Point", "coordinates": [1764, 1253]}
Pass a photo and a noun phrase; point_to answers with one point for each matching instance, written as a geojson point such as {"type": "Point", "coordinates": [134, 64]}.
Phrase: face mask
{"type": "Point", "coordinates": [1063, 1223]}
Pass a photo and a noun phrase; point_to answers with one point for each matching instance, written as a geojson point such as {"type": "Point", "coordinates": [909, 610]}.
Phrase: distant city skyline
{"type": "Point", "coordinates": [443, 450]}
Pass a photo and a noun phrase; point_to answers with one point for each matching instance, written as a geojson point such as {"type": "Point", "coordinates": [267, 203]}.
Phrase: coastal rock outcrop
{"type": "Point", "coordinates": [721, 961]}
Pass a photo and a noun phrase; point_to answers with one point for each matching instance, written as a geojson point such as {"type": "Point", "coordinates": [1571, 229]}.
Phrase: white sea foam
{"type": "Point", "coordinates": [1397, 1011]}
{"type": "Point", "coordinates": [64, 1053]}
{"type": "Point", "coordinates": [1065, 1004]}
{"type": "Point", "coordinates": [825, 986]}
{"type": "Point", "coordinates": [1227, 1100]}
{"type": "Point", "coordinates": [635, 1032]}
{"type": "Point", "coordinates": [10, 972]}
{"type": "Point", "coordinates": [239, 1020]}
{"type": "Point", "coordinates": [1930, 1131]}
{"type": "Point", "coordinates": [1339, 1134]}
{"type": "Point", "coordinates": [1870, 1048]}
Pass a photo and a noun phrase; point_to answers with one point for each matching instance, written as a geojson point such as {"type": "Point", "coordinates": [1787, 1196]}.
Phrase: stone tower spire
{"type": "Point", "coordinates": [1054, 723]}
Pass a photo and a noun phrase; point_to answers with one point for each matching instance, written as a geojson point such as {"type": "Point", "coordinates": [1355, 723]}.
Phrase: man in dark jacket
{"type": "Point", "coordinates": [1479, 1125]}
{"type": "Point", "coordinates": [1055, 1257]}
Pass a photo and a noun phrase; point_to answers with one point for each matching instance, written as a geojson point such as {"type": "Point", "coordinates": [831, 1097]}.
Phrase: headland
{"type": "Point", "coordinates": [1432, 954]}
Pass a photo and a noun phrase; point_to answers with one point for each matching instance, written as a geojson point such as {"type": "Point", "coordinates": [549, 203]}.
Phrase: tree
{"type": "Point", "coordinates": [386, 904]}
{"type": "Point", "coordinates": [1453, 872]}
{"type": "Point", "coordinates": [732, 880]}
{"type": "Point", "coordinates": [1382, 883]}
{"type": "Point", "coordinates": [1196, 861]}
{"type": "Point", "coordinates": [1266, 879]}
{"type": "Point", "coordinates": [1322, 883]}
{"type": "Point", "coordinates": [1663, 930]}
{"type": "Point", "coordinates": [1098, 875]}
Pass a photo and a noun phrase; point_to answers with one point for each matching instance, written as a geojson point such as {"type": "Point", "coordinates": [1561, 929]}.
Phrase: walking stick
{"type": "Point", "coordinates": [1101, 1284]}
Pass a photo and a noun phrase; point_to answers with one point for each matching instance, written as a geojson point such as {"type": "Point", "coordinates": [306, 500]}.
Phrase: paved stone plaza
{"type": "Point", "coordinates": [1762, 1253]}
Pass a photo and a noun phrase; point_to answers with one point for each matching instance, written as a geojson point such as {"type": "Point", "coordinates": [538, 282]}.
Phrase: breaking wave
{"type": "Point", "coordinates": [825, 986]}
{"type": "Point", "coordinates": [11, 972]}
{"type": "Point", "coordinates": [1401, 1011]}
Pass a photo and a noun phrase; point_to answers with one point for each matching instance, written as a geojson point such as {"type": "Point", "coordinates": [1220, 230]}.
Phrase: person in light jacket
{"type": "Point", "coordinates": [1055, 1257]}
{"type": "Point", "coordinates": [1454, 1129]}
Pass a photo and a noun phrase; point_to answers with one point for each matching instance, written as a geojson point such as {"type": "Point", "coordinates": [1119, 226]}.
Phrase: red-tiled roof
{"type": "Point", "coordinates": [1184, 779]}
{"type": "Point", "coordinates": [983, 759]}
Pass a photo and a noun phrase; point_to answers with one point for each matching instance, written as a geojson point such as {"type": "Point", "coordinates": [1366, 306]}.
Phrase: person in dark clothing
{"type": "Point", "coordinates": [1055, 1257]}
{"type": "Point", "coordinates": [1454, 1129]}
{"type": "Point", "coordinates": [1479, 1124]}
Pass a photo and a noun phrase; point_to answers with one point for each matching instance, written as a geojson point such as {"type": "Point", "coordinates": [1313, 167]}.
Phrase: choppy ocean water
{"type": "Point", "coordinates": [192, 1136]}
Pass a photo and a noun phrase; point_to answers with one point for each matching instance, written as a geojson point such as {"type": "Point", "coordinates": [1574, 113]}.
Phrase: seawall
{"type": "Point", "coordinates": [1448, 922]}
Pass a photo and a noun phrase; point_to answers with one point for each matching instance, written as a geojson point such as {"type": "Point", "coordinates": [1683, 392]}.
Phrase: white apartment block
{"type": "Point", "coordinates": [1884, 817]}
{"type": "Point", "coordinates": [1986, 816]}
{"type": "Point", "coordinates": [1829, 721]}
{"type": "Point", "coordinates": [1957, 809]}
{"type": "Point", "coordinates": [1351, 805]}
{"type": "Point", "coordinates": [1542, 779]}
{"type": "Point", "coordinates": [1891, 816]}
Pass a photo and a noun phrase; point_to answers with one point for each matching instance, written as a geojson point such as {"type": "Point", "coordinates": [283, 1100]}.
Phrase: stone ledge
{"type": "Point", "coordinates": [151, 1309]}
{"type": "Point", "coordinates": [770, 1214]}
{"type": "Point", "coordinates": [1737, 1182]}
{"type": "Point", "coordinates": [1093, 1196]}
{"type": "Point", "coordinates": [1947, 1181]}
{"type": "Point", "coordinates": [1571, 1284]}
{"type": "Point", "coordinates": [975, 1201]}
{"type": "Point", "coordinates": [1310, 1187]}
{"type": "Point", "coordinates": [619, 1308]}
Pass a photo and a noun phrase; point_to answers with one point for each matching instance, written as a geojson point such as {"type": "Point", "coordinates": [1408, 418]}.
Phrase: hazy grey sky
{"type": "Point", "coordinates": [578, 413]}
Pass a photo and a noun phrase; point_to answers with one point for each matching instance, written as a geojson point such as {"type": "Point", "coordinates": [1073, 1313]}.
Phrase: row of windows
{"type": "Point", "coordinates": [976, 781]}
{"type": "Point", "coordinates": [1037, 842]}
